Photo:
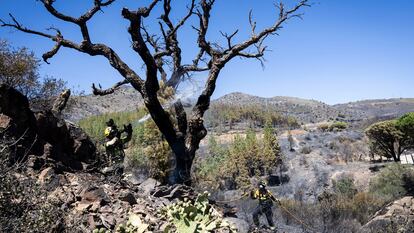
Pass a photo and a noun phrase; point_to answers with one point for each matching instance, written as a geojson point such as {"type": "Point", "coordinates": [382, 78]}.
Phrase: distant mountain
{"type": "Point", "coordinates": [380, 108]}
{"type": "Point", "coordinates": [124, 99]}
{"type": "Point", "coordinates": [304, 110]}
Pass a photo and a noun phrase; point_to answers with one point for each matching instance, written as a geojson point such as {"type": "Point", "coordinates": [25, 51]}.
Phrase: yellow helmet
{"type": "Point", "coordinates": [107, 131]}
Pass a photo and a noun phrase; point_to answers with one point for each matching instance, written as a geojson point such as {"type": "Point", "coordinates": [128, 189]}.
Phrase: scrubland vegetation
{"type": "Point", "coordinates": [223, 116]}
{"type": "Point", "coordinates": [232, 166]}
{"type": "Point", "coordinates": [345, 208]}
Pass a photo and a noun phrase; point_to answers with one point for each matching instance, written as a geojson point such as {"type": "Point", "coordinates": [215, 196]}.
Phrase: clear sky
{"type": "Point", "coordinates": [343, 50]}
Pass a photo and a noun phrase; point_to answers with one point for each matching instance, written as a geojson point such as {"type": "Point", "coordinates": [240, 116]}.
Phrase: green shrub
{"type": "Point", "coordinates": [391, 182]}
{"type": "Point", "coordinates": [334, 126]}
{"type": "Point", "coordinates": [338, 126]}
{"type": "Point", "coordinates": [345, 186]}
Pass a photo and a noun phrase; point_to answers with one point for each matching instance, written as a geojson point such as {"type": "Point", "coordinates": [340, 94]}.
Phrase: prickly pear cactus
{"type": "Point", "coordinates": [101, 230]}
{"type": "Point", "coordinates": [134, 225]}
{"type": "Point", "coordinates": [195, 216]}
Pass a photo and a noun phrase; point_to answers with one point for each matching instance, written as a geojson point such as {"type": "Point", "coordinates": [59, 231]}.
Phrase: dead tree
{"type": "Point", "coordinates": [155, 51]}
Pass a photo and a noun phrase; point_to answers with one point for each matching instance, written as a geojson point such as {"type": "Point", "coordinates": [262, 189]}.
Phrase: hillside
{"type": "Point", "coordinates": [304, 110]}
{"type": "Point", "coordinates": [379, 108]}
{"type": "Point", "coordinates": [124, 99]}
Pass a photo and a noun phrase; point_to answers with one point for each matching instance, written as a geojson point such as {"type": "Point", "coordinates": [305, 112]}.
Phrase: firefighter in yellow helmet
{"type": "Point", "coordinates": [266, 200]}
{"type": "Point", "coordinates": [114, 142]}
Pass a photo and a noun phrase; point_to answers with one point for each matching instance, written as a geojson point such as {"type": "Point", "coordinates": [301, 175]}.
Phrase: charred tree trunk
{"type": "Point", "coordinates": [60, 103]}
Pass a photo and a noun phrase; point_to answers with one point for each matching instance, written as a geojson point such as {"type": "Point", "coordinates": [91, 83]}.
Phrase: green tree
{"type": "Point", "coordinates": [251, 154]}
{"type": "Point", "coordinates": [386, 139]}
{"type": "Point", "coordinates": [212, 168]}
{"type": "Point", "coordinates": [271, 153]}
{"type": "Point", "coordinates": [406, 125]}
{"type": "Point", "coordinates": [19, 68]}
{"type": "Point", "coordinates": [237, 164]}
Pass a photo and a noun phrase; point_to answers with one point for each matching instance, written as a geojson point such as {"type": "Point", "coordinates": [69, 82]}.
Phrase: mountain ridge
{"type": "Point", "coordinates": [305, 110]}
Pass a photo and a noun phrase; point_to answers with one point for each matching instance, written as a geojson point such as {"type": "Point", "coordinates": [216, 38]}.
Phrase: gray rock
{"type": "Point", "coordinates": [46, 175]}
{"type": "Point", "coordinates": [148, 186]}
{"type": "Point", "coordinates": [127, 196]}
{"type": "Point", "coordinates": [241, 225]}
{"type": "Point", "coordinates": [95, 194]}
{"type": "Point", "coordinates": [396, 217]}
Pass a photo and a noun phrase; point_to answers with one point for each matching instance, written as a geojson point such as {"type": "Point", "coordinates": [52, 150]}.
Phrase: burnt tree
{"type": "Point", "coordinates": [155, 51]}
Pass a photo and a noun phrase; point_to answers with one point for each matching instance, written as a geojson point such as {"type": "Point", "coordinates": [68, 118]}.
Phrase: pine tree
{"type": "Point", "coordinates": [271, 153]}
{"type": "Point", "coordinates": [236, 165]}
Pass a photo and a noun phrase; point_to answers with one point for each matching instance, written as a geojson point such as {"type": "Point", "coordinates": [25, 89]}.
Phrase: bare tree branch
{"type": "Point", "coordinates": [152, 40]}
{"type": "Point", "coordinates": [229, 38]}
{"type": "Point", "coordinates": [82, 20]}
{"type": "Point", "coordinates": [220, 58]}
{"type": "Point", "coordinates": [101, 92]}
{"type": "Point", "coordinates": [91, 49]}
{"type": "Point", "coordinates": [204, 18]}
{"type": "Point", "coordinates": [259, 37]}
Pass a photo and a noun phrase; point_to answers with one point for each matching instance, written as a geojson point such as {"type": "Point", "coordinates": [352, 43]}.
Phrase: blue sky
{"type": "Point", "coordinates": [343, 50]}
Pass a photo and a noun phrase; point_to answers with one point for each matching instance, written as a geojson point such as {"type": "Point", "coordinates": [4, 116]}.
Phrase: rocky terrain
{"type": "Point", "coordinates": [65, 166]}
{"type": "Point", "coordinates": [395, 217]}
{"type": "Point", "coordinates": [52, 177]}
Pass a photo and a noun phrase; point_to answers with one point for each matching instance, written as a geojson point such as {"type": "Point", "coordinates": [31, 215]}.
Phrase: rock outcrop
{"type": "Point", "coordinates": [41, 134]}
{"type": "Point", "coordinates": [395, 217]}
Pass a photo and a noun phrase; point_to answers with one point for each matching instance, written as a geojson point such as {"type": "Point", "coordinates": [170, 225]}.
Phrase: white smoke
{"type": "Point", "coordinates": [144, 119]}
{"type": "Point", "coordinates": [186, 93]}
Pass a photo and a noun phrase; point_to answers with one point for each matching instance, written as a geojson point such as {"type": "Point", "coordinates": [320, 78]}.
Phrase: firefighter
{"type": "Point", "coordinates": [266, 200]}
{"type": "Point", "coordinates": [114, 143]}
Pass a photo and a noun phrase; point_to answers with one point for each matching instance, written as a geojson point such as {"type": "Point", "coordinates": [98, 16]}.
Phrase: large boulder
{"type": "Point", "coordinates": [83, 149]}
{"type": "Point", "coordinates": [43, 133]}
{"type": "Point", "coordinates": [71, 145]}
{"type": "Point", "coordinates": [395, 217]}
{"type": "Point", "coordinates": [15, 105]}
{"type": "Point", "coordinates": [17, 124]}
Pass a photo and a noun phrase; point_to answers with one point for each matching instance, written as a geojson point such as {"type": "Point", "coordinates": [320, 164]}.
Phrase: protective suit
{"type": "Point", "coordinates": [114, 144]}
{"type": "Point", "coordinates": [266, 200]}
